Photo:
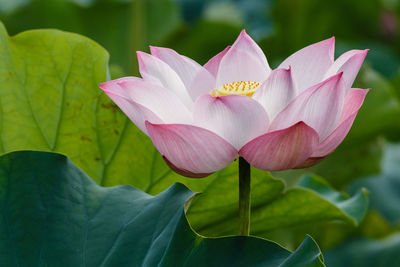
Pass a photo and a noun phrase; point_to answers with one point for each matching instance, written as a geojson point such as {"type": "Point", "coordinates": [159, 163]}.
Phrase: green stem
{"type": "Point", "coordinates": [244, 197]}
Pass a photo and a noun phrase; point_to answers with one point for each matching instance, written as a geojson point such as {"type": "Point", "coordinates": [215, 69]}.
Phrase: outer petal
{"type": "Point", "coordinates": [191, 149]}
{"type": "Point", "coordinates": [154, 69]}
{"type": "Point", "coordinates": [163, 103]}
{"type": "Point", "coordinates": [318, 106]}
{"type": "Point", "coordinates": [349, 63]}
{"type": "Point", "coordinates": [244, 61]}
{"type": "Point", "coordinates": [193, 75]}
{"type": "Point", "coordinates": [281, 150]}
{"type": "Point", "coordinates": [137, 113]}
{"type": "Point", "coordinates": [311, 161]}
{"type": "Point", "coordinates": [112, 86]}
{"type": "Point", "coordinates": [213, 64]}
{"type": "Point", "coordinates": [237, 119]}
{"type": "Point", "coordinates": [353, 103]}
{"type": "Point", "coordinates": [310, 64]}
{"type": "Point", "coordinates": [276, 92]}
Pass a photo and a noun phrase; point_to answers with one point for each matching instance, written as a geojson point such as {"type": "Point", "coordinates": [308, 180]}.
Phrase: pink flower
{"type": "Point", "coordinates": [200, 118]}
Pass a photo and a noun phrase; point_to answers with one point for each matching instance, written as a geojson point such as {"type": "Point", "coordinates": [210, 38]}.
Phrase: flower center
{"type": "Point", "coordinates": [236, 88]}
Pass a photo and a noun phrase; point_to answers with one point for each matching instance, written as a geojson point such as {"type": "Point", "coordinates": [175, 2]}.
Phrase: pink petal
{"type": "Point", "coordinates": [137, 113]}
{"type": "Point", "coordinates": [186, 68]}
{"type": "Point", "coordinates": [353, 103]}
{"type": "Point", "coordinates": [311, 63]}
{"type": "Point", "coordinates": [311, 161]}
{"type": "Point", "coordinates": [162, 102]}
{"type": "Point", "coordinates": [239, 65]}
{"type": "Point", "coordinates": [189, 71]}
{"type": "Point", "coordinates": [244, 61]}
{"type": "Point", "coordinates": [237, 119]}
{"type": "Point", "coordinates": [349, 63]}
{"type": "Point", "coordinates": [318, 106]}
{"type": "Point", "coordinates": [190, 148]}
{"type": "Point", "coordinates": [213, 64]}
{"type": "Point", "coordinates": [281, 150]}
{"type": "Point", "coordinates": [245, 43]}
{"type": "Point", "coordinates": [276, 92]}
{"type": "Point", "coordinates": [154, 69]}
{"type": "Point", "coordinates": [184, 172]}
{"type": "Point", "coordinates": [112, 86]}
{"type": "Point", "coordinates": [202, 84]}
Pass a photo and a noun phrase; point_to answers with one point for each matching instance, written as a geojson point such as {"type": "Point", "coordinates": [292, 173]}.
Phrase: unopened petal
{"type": "Point", "coordinates": [349, 63]}
{"type": "Point", "coordinates": [318, 106]}
{"type": "Point", "coordinates": [276, 92]}
{"type": "Point", "coordinates": [310, 64]}
{"type": "Point", "coordinates": [353, 103]}
{"type": "Point", "coordinates": [155, 70]}
{"type": "Point", "coordinates": [190, 148]}
{"type": "Point", "coordinates": [237, 119]}
{"type": "Point", "coordinates": [281, 150]}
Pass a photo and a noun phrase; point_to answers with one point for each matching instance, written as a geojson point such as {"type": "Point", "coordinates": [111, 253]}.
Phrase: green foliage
{"type": "Point", "coordinates": [385, 187]}
{"type": "Point", "coordinates": [53, 214]}
{"type": "Point", "coordinates": [378, 240]}
{"type": "Point", "coordinates": [80, 121]}
{"type": "Point", "coordinates": [366, 253]}
{"type": "Point", "coordinates": [311, 200]}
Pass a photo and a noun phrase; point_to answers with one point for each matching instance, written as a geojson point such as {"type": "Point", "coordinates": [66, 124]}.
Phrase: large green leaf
{"type": "Point", "coordinates": [366, 253]}
{"type": "Point", "coordinates": [50, 100]}
{"type": "Point", "coordinates": [52, 214]}
{"type": "Point", "coordinates": [311, 200]}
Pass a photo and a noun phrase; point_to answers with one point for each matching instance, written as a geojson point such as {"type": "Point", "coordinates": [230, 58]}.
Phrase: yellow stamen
{"type": "Point", "coordinates": [236, 88]}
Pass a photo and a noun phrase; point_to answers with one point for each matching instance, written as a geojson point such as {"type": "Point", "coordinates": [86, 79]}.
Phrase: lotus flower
{"type": "Point", "coordinates": [201, 118]}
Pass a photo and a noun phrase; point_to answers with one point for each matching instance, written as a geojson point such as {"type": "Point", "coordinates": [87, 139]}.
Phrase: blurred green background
{"type": "Point", "coordinates": [369, 156]}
